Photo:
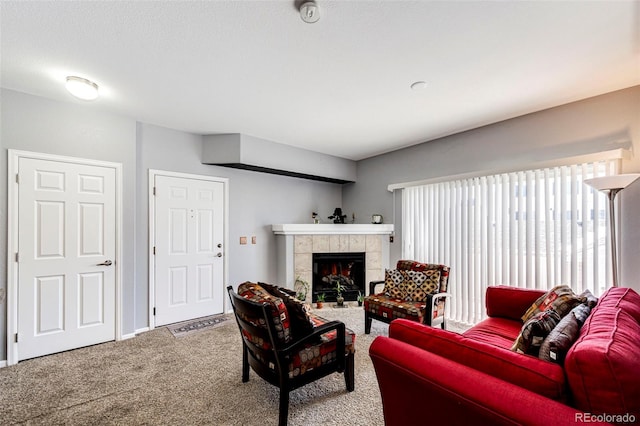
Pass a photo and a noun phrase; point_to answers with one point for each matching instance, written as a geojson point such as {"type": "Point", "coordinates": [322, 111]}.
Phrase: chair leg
{"type": "Point", "coordinates": [245, 364]}
{"type": "Point", "coordinates": [367, 323]}
{"type": "Point", "coordinates": [284, 407]}
{"type": "Point", "coordinates": [349, 377]}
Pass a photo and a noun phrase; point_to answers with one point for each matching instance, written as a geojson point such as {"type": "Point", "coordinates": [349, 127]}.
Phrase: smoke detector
{"type": "Point", "coordinates": [309, 12]}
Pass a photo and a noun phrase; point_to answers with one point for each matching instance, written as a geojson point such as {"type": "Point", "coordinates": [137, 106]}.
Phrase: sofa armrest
{"type": "Point", "coordinates": [542, 377]}
{"type": "Point", "coordinates": [510, 302]}
{"type": "Point", "coordinates": [419, 387]}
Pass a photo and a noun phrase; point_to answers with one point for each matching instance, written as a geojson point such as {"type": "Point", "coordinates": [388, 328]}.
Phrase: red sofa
{"type": "Point", "coordinates": [431, 376]}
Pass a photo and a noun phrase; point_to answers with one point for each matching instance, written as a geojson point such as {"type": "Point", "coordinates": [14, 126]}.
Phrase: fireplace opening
{"type": "Point", "coordinates": [346, 268]}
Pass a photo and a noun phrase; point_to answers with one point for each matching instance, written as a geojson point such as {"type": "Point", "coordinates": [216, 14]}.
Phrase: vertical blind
{"type": "Point", "coordinates": [531, 229]}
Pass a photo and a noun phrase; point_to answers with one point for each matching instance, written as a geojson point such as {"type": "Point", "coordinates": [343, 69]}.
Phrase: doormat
{"type": "Point", "coordinates": [184, 328]}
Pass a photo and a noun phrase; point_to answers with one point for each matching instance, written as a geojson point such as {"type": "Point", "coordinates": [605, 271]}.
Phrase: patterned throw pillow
{"type": "Point", "coordinates": [589, 299]}
{"type": "Point", "coordinates": [555, 346]}
{"type": "Point", "coordinates": [393, 284]}
{"type": "Point", "coordinates": [560, 298]}
{"type": "Point", "coordinates": [258, 294]}
{"type": "Point", "coordinates": [412, 265]}
{"type": "Point", "coordinates": [299, 312]}
{"type": "Point", "coordinates": [534, 331]}
{"type": "Point", "coordinates": [419, 284]}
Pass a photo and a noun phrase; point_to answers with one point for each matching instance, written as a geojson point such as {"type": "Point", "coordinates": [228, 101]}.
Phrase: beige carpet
{"type": "Point", "coordinates": [156, 379]}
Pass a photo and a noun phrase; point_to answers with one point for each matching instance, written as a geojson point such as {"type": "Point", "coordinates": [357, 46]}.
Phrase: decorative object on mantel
{"type": "Point", "coordinates": [314, 216]}
{"type": "Point", "coordinates": [337, 216]}
{"type": "Point", "coordinates": [611, 185]}
{"type": "Point", "coordinates": [376, 219]}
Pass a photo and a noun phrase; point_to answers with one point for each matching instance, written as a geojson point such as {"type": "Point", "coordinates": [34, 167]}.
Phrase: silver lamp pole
{"type": "Point", "coordinates": [611, 185]}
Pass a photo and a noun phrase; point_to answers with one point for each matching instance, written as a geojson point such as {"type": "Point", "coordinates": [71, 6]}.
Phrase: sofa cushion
{"type": "Point", "coordinates": [320, 352]}
{"type": "Point", "coordinates": [500, 332]}
{"type": "Point", "coordinates": [509, 302]}
{"type": "Point", "coordinates": [560, 298]}
{"type": "Point", "coordinates": [603, 366]}
{"type": "Point", "coordinates": [393, 308]}
{"type": "Point", "coordinates": [534, 331]}
{"type": "Point", "coordinates": [539, 376]}
{"type": "Point", "coordinates": [555, 346]}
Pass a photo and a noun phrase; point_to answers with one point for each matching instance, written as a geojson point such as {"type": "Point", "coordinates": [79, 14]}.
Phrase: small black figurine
{"type": "Point", "coordinates": [337, 216]}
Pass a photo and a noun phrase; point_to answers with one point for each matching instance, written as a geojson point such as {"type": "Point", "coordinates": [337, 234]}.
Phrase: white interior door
{"type": "Point", "coordinates": [66, 256]}
{"type": "Point", "coordinates": [189, 234]}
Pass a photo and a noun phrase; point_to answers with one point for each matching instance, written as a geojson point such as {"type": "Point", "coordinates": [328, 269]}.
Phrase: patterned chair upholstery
{"type": "Point", "coordinates": [287, 345]}
{"type": "Point", "coordinates": [414, 291]}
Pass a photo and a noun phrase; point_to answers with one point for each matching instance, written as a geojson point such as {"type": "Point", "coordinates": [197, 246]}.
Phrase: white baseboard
{"type": "Point", "coordinates": [3, 364]}
{"type": "Point", "coordinates": [128, 336]}
{"type": "Point", "coordinates": [142, 330]}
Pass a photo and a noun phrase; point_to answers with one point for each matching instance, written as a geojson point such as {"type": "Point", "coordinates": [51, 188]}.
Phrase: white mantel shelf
{"type": "Point", "coordinates": [331, 229]}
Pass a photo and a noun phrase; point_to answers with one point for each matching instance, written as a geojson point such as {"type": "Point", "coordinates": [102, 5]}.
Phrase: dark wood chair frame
{"type": "Point", "coordinates": [283, 354]}
{"type": "Point", "coordinates": [432, 300]}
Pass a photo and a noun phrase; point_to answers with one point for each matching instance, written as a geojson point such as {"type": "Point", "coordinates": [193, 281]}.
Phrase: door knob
{"type": "Point", "coordinates": [219, 254]}
{"type": "Point", "coordinates": [219, 245]}
{"type": "Point", "coordinates": [105, 263]}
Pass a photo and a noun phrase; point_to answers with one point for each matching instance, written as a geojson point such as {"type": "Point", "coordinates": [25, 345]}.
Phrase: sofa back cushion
{"type": "Point", "coordinates": [509, 302]}
{"type": "Point", "coordinates": [412, 265]}
{"type": "Point", "coordinates": [603, 366]}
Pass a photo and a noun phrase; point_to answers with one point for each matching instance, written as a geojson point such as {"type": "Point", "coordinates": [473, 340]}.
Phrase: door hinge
{"type": "Point", "coordinates": [16, 338]}
{"type": "Point", "coordinates": [154, 250]}
{"type": "Point", "coordinates": [154, 311]}
{"type": "Point", "coordinates": [17, 178]}
{"type": "Point", "coordinates": [154, 190]}
{"type": "Point", "coordinates": [17, 257]}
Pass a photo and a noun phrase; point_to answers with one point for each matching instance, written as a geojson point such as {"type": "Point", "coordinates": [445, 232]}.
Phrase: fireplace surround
{"type": "Point", "coordinates": [296, 244]}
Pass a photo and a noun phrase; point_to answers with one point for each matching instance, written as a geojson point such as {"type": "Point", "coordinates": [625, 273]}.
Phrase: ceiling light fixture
{"type": "Point", "coordinates": [82, 88]}
{"type": "Point", "coordinates": [310, 12]}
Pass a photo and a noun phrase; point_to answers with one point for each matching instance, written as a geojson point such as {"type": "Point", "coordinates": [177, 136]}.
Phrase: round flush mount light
{"type": "Point", "coordinates": [82, 88]}
{"type": "Point", "coordinates": [419, 85]}
{"type": "Point", "coordinates": [310, 12]}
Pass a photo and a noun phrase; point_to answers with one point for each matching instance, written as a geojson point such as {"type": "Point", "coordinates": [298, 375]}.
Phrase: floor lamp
{"type": "Point", "coordinates": [611, 185]}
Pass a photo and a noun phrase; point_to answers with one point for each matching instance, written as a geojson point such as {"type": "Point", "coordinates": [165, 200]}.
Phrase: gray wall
{"type": "Point", "coordinates": [36, 124]}
{"type": "Point", "coordinates": [80, 129]}
{"type": "Point", "coordinates": [256, 201]}
{"type": "Point", "coordinates": [601, 123]}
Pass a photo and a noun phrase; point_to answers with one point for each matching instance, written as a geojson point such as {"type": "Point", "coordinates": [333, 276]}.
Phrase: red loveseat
{"type": "Point", "coordinates": [434, 376]}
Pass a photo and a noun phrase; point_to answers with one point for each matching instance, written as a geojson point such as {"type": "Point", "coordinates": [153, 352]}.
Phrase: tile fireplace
{"type": "Point", "coordinates": [298, 243]}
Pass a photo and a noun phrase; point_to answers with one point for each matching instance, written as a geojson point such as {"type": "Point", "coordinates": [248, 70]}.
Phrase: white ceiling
{"type": "Point", "coordinates": [339, 86]}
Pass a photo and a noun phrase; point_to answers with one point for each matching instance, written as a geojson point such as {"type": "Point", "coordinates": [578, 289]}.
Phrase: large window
{"type": "Point", "coordinates": [532, 229]}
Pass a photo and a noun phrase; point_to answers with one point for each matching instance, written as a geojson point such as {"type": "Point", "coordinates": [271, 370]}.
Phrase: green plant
{"type": "Point", "coordinates": [339, 287]}
{"type": "Point", "coordinates": [321, 297]}
{"type": "Point", "coordinates": [301, 287]}
{"type": "Point", "coordinates": [360, 297]}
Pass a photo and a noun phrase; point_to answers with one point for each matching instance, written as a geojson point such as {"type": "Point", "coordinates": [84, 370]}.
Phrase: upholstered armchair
{"type": "Point", "coordinates": [287, 345]}
{"type": "Point", "coordinates": [414, 291]}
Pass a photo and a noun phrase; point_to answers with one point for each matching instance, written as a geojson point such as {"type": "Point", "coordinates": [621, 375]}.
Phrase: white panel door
{"type": "Point", "coordinates": [66, 246]}
{"type": "Point", "coordinates": [189, 268]}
